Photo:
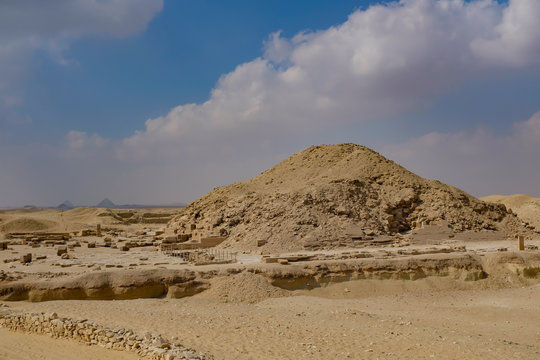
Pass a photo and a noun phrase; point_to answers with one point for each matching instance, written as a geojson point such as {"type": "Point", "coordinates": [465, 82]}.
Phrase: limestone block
{"type": "Point", "coordinates": [26, 258]}
{"type": "Point", "coordinates": [61, 250]}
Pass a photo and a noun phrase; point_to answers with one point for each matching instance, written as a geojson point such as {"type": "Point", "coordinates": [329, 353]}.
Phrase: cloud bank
{"type": "Point", "coordinates": [482, 162]}
{"type": "Point", "coordinates": [384, 61]}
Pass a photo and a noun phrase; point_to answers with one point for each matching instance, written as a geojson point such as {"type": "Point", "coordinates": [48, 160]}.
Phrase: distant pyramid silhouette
{"type": "Point", "coordinates": [106, 203]}
{"type": "Point", "coordinates": [66, 205]}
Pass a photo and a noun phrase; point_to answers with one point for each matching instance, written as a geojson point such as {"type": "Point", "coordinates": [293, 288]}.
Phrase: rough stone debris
{"type": "Point", "coordinates": [147, 345]}
{"type": "Point", "coordinates": [332, 196]}
{"type": "Point", "coordinates": [27, 258]}
{"type": "Point", "coordinates": [61, 250]}
{"type": "Point", "coordinates": [260, 242]}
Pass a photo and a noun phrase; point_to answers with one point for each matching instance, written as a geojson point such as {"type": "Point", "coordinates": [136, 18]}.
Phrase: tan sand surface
{"type": "Point", "coordinates": [18, 346]}
{"type": "Point", "coordinates": [390, 319]}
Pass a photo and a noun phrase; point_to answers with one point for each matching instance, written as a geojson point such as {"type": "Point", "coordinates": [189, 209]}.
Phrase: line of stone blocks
{"type": "Point", "coordinates": [147, 345]}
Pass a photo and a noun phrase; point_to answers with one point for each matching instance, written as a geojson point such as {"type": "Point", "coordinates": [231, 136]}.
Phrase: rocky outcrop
{"type": "Point", "coordinates": [458, 266]}
{"type": "Point", "coordinates": [455, 263]}
{"type": "Point", "coordinates": [118, 285]}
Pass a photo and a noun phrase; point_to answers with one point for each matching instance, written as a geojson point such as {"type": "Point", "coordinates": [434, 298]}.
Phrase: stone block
{"type": "Point", "coordinates": [26, 258]}
{"type": "Point", "coordinates": [61, 250]}
{"type": "Point", "coordinates": [170, 239]}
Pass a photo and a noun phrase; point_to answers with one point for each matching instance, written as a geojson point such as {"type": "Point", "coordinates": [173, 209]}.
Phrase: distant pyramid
{"type": "Point", "coordinates": [66, 205]}
{"type": "Point", "coordinates": [106, 203]}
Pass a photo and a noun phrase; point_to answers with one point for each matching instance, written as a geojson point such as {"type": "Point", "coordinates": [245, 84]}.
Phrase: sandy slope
{"type": "Point", "coordinates": [18, 346]}
{"type": "Point", "coordinates": [525, 206]}
{"type": "Point", "coordinates": [430, 318]}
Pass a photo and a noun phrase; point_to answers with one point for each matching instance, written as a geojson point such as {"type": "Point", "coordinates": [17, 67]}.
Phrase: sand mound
{"type": "Point", "coordinates": [27, 225]}
{"type": "Point", "coordinates": [329, 195]}
{"type": "Point", "coordinates": [525, 206]}
{"type": "Point", "coordinates": [245, 287]}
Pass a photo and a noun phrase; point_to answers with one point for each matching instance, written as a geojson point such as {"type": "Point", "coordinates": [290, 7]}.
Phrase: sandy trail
{"type": "Point", "coordinates": [18, 346]}
{"type": "Point", "coordinates": [425, 322]}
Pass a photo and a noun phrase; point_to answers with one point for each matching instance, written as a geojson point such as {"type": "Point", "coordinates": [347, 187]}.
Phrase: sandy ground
{"type": "Point", "coordinates": [387, 319]}
{"type": "Point", "coordinates": [17, 346]}
{"type": "Point", "coordinates": [429, 318]}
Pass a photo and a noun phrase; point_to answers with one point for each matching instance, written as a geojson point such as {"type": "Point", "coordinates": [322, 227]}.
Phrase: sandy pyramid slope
{"type": "Point", "coordinates": [327, 195]}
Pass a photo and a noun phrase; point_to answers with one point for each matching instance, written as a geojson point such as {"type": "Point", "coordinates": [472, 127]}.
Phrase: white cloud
{"type": "Point", "coordinates": [480, 162]}
{"type": "Point", "coordinates": [515, 40]}
{"type": "Point", "coordinates": [78, 143]}
{"type": "Point", "coordinates": [382, 61]}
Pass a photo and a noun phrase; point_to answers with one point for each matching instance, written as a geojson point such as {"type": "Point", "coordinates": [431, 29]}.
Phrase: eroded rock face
{"type": "Point", "coordinates": [329, 196]}
{"type": "Point", "coordinates": [107, 286]}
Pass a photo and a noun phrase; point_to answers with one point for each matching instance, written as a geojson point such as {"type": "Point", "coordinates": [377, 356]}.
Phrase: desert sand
{"type": "Point", "coordinates": [334, 253]}
{"type": "Point", "coordinates": [18, 346]}
{"type": "Point", "coordinates": [391, 320]}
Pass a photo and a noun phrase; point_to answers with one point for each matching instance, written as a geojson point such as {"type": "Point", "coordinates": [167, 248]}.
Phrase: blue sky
{"type": "Point", "coordinates": [154, 101]}
{"type": "Point", "coordinates": [119, 83]}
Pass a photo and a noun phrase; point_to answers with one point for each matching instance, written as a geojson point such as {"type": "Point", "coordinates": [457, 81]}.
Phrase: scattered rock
{"type": "Point", "coordinates": [61, 250]}
{"type": "Point", "coordinates": [27, 258]}
{"type": "Point", "coordinates": [333, 196]}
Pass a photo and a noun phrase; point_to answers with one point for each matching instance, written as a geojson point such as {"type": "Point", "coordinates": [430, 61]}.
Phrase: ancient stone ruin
{"type": "Point", "coordinates": [332, 196]}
